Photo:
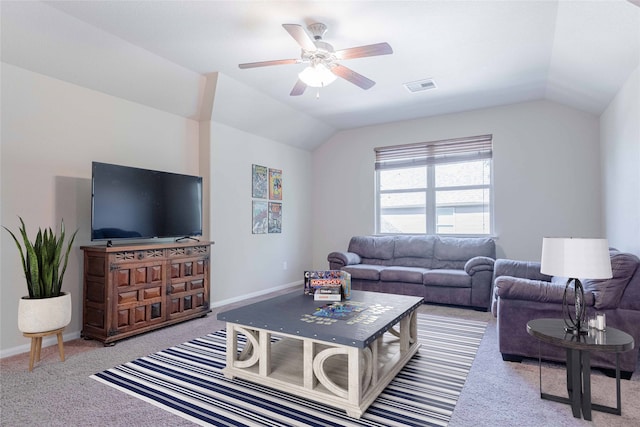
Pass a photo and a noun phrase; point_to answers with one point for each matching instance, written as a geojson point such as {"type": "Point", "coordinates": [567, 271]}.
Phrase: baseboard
{"type": "Point", "coordinates": [46, 342]}
{"type": "Point", "coordinates": [257, 294]}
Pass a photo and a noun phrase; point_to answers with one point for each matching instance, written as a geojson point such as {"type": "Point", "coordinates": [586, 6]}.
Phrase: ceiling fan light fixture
{"type": "Point", "coordinates": [323, 60]}
{"type": "Point", "coordinates": [317, 75]}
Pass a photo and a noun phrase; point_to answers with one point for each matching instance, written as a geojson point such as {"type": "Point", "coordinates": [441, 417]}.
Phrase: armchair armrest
{"type": "Point", "coordinates": [343, 258]}
{"type": "Point", "coordinates": [522, 269]}
{"type": "Point", "coordinates": [479, 263]}
{"type": "Point", "coordinates": [508, 287]}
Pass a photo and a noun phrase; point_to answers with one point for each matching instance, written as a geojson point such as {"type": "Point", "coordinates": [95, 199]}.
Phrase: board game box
{"type": "Point", "coordinates": [326, 279]}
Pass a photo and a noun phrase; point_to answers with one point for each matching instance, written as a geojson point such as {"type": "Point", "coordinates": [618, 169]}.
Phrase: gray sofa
{"type": "Point", "coordinates": [522, 293]}
{"type": "Point", "coordinates": [445, 270]}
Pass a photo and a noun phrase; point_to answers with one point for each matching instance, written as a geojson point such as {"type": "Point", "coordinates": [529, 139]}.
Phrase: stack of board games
{"type": "Point", "coordinates": [327, 285]}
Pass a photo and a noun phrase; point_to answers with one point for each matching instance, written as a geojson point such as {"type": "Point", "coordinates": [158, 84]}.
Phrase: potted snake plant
{"type": "Point", "coordinates": [44, 261]}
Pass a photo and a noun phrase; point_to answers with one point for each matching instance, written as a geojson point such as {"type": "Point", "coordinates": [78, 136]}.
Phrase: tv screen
{"type": "Point", "coordinates": [133, 203]}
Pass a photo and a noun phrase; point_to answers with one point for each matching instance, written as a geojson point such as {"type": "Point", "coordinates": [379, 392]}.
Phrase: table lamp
{"type": "Point", "coordinates": [575, 258]}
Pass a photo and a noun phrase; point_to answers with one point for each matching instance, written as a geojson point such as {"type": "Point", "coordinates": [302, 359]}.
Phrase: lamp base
{"type": "Point", "coordinates": [575, 331]}
{"type": "Point", "coordinates": [574, 323]}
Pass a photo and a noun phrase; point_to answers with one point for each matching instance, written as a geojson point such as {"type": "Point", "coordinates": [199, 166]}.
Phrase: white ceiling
{"type": "Point", "coordinates": [480, 53]}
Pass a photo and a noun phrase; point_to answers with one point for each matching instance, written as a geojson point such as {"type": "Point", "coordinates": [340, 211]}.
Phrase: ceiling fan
{"type": "Point", "coordinates": [321, 58]}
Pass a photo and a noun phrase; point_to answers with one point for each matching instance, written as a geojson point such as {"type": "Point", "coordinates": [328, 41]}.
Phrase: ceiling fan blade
{"type": "Point", "coordinates": [300, 35]}
{"type": "Point", "coordinates": [298, 88]}
{"type": "Point", "coordinates": [362, 51]}
{"type": "Point", "coordinates": [352, 76]}
{"type": "Point", "coordinates": [267, 63]}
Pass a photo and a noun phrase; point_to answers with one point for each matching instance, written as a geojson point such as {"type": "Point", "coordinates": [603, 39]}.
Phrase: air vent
{"type": "Point", "coordinates": [420, 85]}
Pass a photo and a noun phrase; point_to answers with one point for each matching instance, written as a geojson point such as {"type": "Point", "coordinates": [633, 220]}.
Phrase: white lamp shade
{"type": "Point", "coordinates": [317, 76]}
{"type": "Point", "coordinates": [576, 258]}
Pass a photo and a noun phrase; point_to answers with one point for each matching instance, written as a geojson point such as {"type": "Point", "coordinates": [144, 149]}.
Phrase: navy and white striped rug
{"type": "Point", "coordinates": [187, 380]}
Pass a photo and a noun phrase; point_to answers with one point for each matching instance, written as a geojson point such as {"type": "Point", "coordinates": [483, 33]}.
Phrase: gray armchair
{"type": "Point", "coordinates": [521, 293]}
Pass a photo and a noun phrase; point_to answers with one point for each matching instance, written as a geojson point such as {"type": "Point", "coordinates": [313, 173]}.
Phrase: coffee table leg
{"type": "Point", "coordinates": [618, 399]}
{"type": "Point", "coordinates": [586, 384]}
{"type": "Point", "coordinates": [231, 355]}
{"type": "Point", "coordinates": [574, 386]}
{"type": "Point", "coordinates": [264, 366]}
{"type": "Point", "coordinates": [355, 386]}
{"type": "Point", "coordinates": [405, 334]}
{"type": "Point", "coordinates": [569, 374]}
{"type": "Point", "coordinates": [309, 379]}
{"type": "Point", "coordinates": [608, 409]}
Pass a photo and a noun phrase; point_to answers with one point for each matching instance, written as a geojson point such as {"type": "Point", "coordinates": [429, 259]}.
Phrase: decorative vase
{"type": "Point", "coordinates": [44, 314]}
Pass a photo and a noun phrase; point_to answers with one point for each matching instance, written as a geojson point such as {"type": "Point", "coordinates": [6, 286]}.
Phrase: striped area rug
{"type": "Point", "coordinates": [187, 380]}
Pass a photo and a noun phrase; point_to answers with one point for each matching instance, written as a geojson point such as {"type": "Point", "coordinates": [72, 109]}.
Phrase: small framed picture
{"type": "Point", "coordinates": [259, 218]}
{"type": "Point", "coordinates": [275, 217]}
{"type": "Point", "coordinates": [259, 181]}
{"type": "Point", "coordinates": [275, 184]}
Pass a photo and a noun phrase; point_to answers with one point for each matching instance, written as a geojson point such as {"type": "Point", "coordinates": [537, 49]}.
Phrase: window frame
{"type": "Point", "coordinates": [431, 190]}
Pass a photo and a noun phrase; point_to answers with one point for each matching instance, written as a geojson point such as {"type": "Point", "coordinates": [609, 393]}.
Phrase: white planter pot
{"type": "Point", "coordinates": [45, 314]}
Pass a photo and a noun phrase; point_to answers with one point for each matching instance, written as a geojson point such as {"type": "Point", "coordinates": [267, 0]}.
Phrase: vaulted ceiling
{"type": "Point", "coordinates": [479, 53]}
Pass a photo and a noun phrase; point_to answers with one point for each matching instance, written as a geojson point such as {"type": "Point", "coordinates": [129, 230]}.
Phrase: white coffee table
{"type": "Point", "coordinates": [344, 363]}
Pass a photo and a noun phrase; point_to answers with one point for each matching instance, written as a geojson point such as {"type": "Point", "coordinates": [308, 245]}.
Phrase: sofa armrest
{"type": "Point", "coordinates": [522, 269]}
{"type": "Point", "coordinates": [479, 263]}
{"type": "Point", "coordinates": [342, 259]}
{"type": "Point", "coordinates": [508, 287]}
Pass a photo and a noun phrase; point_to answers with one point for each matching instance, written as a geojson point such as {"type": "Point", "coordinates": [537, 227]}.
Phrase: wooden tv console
{"type": "Point", "coordinates": [132, 289]}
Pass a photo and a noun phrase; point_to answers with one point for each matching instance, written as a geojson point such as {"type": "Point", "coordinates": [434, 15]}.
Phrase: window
{"type": "Point", "coordinates": [440, 187]}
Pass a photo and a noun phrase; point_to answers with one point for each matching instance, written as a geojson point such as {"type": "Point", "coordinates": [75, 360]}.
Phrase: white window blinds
{"type": "Point", "coordinates": [434, 152]}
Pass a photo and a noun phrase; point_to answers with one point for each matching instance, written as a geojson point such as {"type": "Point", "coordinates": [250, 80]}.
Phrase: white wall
{"type": "Point", "coordinates": [620, 150]}
{"type": "Point", "coordinates": [51, 131]}
{"type": "Point", "coordinates": [38, 37]}
{"type": "Point", "coordinates": [546, 173]}
{"type": "Point", "coordinates": [246, 264]}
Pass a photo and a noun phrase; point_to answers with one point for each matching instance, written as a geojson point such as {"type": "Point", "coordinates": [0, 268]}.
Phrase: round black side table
{"type": "Point", "coordinates": [579, 348]}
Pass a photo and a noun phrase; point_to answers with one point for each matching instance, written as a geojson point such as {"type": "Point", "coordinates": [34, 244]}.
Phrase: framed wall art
{"type": "Point", "coordinates": [275, 217]}
{"type": "Point", "coordinates": [275, 184]}
{"type": "Point", "coordinates": [259, 217]}
{"type": "Point", "coordinates": [259, 181]}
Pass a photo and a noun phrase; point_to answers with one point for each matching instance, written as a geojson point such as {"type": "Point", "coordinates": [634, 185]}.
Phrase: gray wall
{"type": "Point", "coordinates": [546, 175]}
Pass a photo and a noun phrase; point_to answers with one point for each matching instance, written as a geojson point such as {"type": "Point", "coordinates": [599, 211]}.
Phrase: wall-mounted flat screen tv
{"type": "Point", "coordinates": [133, 203]}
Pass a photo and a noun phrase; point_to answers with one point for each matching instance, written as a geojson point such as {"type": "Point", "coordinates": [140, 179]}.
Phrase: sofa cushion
{"type": "Point", "coordinates": [453, 252]}
{"type": "Point", "coordinates": [608, 292]}
{"type": "Point", "coordinates": [447, 277]}
{"type": "Point", "coordinates": [413, 251]}
{"type": "Point", "coordinates": [402, 274]}
{"type": "Point", "coordinates": [380, 247]}
{"type": "Point", "coordinates": [414, 246]}
{"type": "Point", "coordinates": [364, 271]}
